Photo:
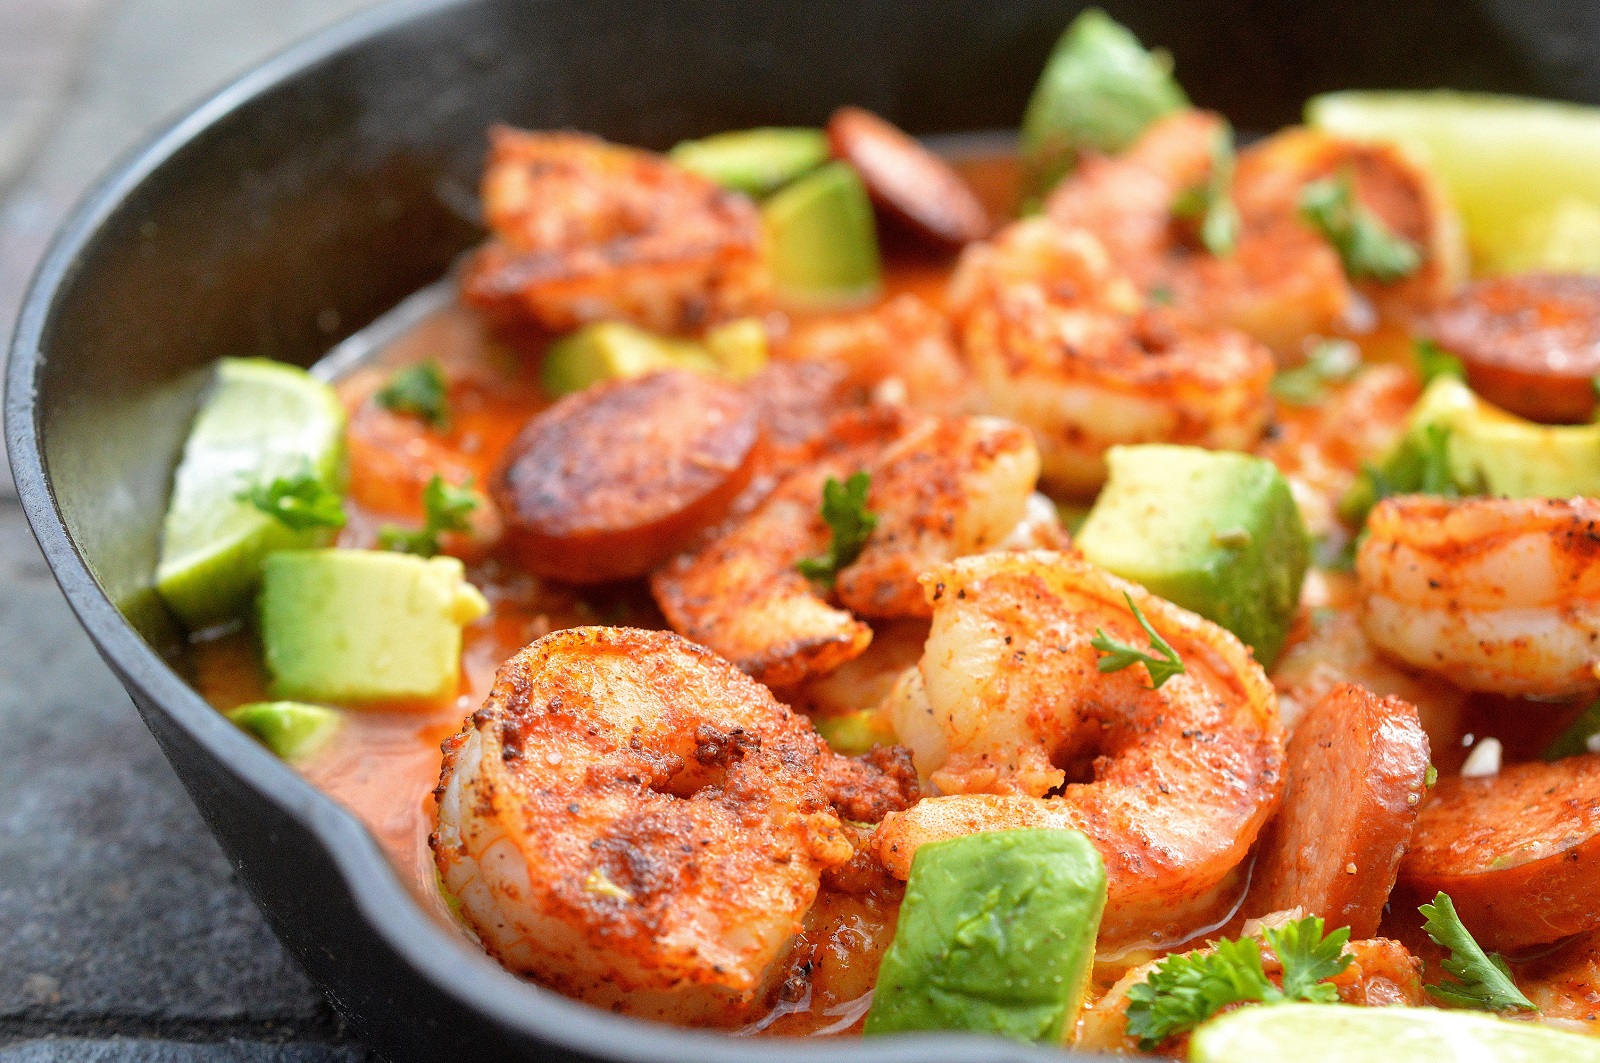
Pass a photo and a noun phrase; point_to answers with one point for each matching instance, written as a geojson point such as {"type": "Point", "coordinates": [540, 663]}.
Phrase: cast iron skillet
{"type": "Point", "coordinates": [316, 192]}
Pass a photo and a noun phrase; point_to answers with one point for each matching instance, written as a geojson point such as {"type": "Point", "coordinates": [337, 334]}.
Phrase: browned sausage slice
{"type": "Point", "coordinates": [1530, 344]}
{"type": "Point", "coordinates": [615, 479]}
{"type": "Point", "coordinates": [906, 179]}
{"type": "Point", "coordinates": [1518, 853]}
{"type": "Point", "coordinates": [1357, 765]}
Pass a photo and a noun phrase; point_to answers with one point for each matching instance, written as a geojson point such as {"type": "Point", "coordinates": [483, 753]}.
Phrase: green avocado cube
{"type": "Point", "coordinates": [614, 350]}
{"type": "Point", "coordinates": [365, 627]}
{"type": "Point", "coordinates": [291, 729]}
{"type": "Point", "coordinates": [1099, 91]}
{"type": "Point", "coordinates": [822, 244]}
{"type": "Point", "coordinates": [756, 162]}
{"type": "Point", "coordinates": [996, 935]}
{"type": "Point", "coordinates": [1216, 532]}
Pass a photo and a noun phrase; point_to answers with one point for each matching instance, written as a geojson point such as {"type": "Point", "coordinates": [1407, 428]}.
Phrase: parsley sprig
{"type": "Point", "coordinates": [1574, 741]}
{"type": "Point", "coordinates": [1369, 249]}
{"type": "Point", "coordinates": [1434, 361]}
{"type": "Point", "coordinates": [1186, 989]}
{"type": "Point", "coordinates": [1120, 655]}
{"type": "Point", "coordinates": [445, 509]}
{"type": "Point", "coordinates": [1482, 979]}
{"type": "Point", "coordinates": [1330, 362]}
{"type": "Point", "coordinates": [419, 390]}
{"type": "Point", "coordinates": [844, 508]}
{"type": "Point", "coordinates": [299, 501]}
{"type": "Point", "coordinates": [1212, 201]}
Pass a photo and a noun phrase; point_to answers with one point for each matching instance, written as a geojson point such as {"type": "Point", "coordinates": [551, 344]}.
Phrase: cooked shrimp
{"type": "Point", "coordinates": [941, 488]}
{"type": "Point", "coordinates": [1049, 330]}
{"type": "Point", "coordinates": [634, 822]}
{"type": "Point", "coordinates": [1496, 594]}
{"type": "Point", "coordinates": [1007, 706]}
{"type": "Point", "coordinates": [900, 349]}
{"type": "Point", "coordinates": [1280, 283]}
{"type": "Point", "coordinates": [1381, 974]}
{"type": "Point", "coordinates": [1403, 193]}
{"type": "Point", "coordinates": [590, 231]}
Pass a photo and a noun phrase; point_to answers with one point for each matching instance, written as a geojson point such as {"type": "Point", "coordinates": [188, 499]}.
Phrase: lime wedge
{"type": "Point", "coordinates": [1341, 1033]}
{"type": "Point", "coordinates": [261, 420]}
{"type": "Point", "coordinates": [1519, 170]}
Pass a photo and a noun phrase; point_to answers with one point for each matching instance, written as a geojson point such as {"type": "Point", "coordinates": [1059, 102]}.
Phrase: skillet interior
{"type": "Point", "coordinates": [318, 191]}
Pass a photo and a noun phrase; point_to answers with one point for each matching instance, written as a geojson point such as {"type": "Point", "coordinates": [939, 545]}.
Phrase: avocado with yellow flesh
{"type": "Point", "coordinates": [996, 935]}
{"type": "Point", "coordinates": [365, 627]}
{"type": "Point", "coordinates": [1216, 532]}
{"type": "Point", "coordinates": [822, 244]}
{"type": "Point", "coordinates": [614, 350]}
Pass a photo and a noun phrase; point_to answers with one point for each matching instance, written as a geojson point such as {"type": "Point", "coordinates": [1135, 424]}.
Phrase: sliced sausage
{"type": "Point", "coordinates": [1357, 767]}
{"type": "Point", "coordinates": [907, 180]}
{"type": "Point", "coordinates": [1518, 852]}
{"type": "Point", "coordinates": [1530, 344]}
{"type": "Point", "coordinates": [615, 479]}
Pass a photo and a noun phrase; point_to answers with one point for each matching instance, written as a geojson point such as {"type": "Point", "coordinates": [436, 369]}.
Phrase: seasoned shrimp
{"type": "Point", "coordinates": [1496, 594]}
{"type": "Point", "coordinates": [636, 823]}
{"type": "Point", "coordinates": [589, 231]}
{"type": "Point", "coordinates": [940, 488]}
{"type": "Point", "coordinates": [900, 349]}
{"type": "Point", "coordinates": [1050, 331]}
{"type": "Point", "coordinates": [1007, 706]}
{"type": "Point", "coordinates": [1280, 283]}
{"type": "Point", "coordinates": [1404, 194]}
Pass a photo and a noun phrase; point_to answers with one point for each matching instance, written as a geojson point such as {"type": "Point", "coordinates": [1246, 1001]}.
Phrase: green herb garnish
{"type": "Point", "coordinates": [445, 509]}
{"type": "Point", "coordinates": [1329, 362]}
{"type": "Point", "coordinates": [1120, 655]}
{"type": "Point", "coordinates": [1482, 979]}
{"type": "Point", "coordinates": [1366, 246]}
{"type": "Point", "coordinates": [1574, 741]}
{"type": "Point", "coordinates": [1212, 201]}
{"type": "Point", "coordinates": [298, 501]}
{"type": "Point", "coordinates": [419, 390]}
{"type": "Point", "coordinates": [1185, 990]}
{"type": "Point", "coordinates": [844, 508]}
{"type": "Point", "coordinates": [1419, 465]}
{"type": "Point", "coordinates": [1434, 361]}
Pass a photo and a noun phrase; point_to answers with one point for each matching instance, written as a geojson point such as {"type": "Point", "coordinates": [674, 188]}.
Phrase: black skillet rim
{"type": "Point", "coordinates": [374, 885]}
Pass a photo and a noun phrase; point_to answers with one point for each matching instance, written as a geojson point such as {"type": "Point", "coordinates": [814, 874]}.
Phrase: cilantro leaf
{"type": "Point", "coordinates": [298, 501]}
{"type": "Point", "coordinates": [844, 508]}
{"type": "Point", "coordinates": [1575, 739]}
{"type": "Point", "coordinates": [1308, 958]}
{"type": "Point", "coordinates": [419, 390]}
{"type": "Point", "coordinates": [445, 509]}
{"type": "Point", "coordinates": [1120, 655]}
{"type": "Point", "coordinates": [1186, 989]}
{"type": "Point", "coordinates": [1482, 979]}
{"type": "Point", "coordinates": [1329, 362]}
{"type": "Point", "coordinates": [1366, 246]}
{"type": "Point", "coordinates": [1434, 361]}
{"type": "Point", "coordinates": [1419, 465]}
{"type": "Point", "coordinates": [1212, 201]}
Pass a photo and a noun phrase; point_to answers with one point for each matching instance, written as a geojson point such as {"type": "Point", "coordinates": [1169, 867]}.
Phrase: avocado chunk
{"type": "Point", "coordinates": [854, 733]}
{"type": "Point", "coordinates": [738, 348]}
{"type": "Point", "coordinates": [291, 729]}
{"type": "Point", "coordinates": [1216, 532]}
{"type": "Point", "coordinates": [1457, 444]}
{"type": "Point", "coordinates": [1099, 91]}
{"type": "Point", "coordinates": [756, 162]}
{"type": "Point", "coordinates": [614, 350]}
{"type": "Point", "coordinates": [996, 935]}
{"type": "Point", "coordinates": [363, 627]}
{"type": "Point", "coordinates": [822, 244]}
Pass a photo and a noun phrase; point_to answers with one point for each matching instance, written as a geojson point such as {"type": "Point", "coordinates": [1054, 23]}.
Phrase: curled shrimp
{"type": "Point", "coordinates": [1495, 594]}
{"type": "Point", "coordinates": [635, 823]}
{"type": "Point", "coordinates": [1050, 330]}
{"type": "Point", "coordinates": [589, 231]}
{"type": "Point", "coordinates": [940, 488]}
{"type": "Point", "coordinates": [1007, 708]}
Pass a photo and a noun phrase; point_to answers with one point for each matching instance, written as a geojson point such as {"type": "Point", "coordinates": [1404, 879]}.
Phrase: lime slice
{"type": "Point", "coordinates": [261, 420]}
{"type": "Point", "coordinates": [1340, 1033]}
{"type": "Point", "coordinates": [1515, 167]}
